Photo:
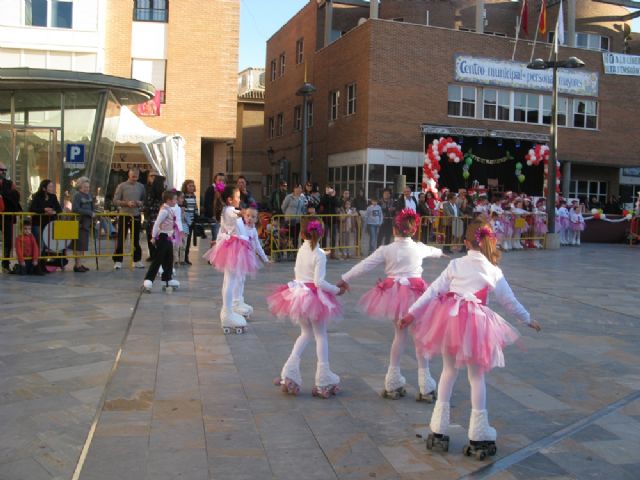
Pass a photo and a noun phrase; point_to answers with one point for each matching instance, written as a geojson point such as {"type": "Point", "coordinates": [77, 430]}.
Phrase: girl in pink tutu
{"type": "Point", "coordinates": [310, 302]}
{"type": "Point", "coordinates": [562, 223]}
{"type": "Point", "coordinates": [540, 222]}
{"type": "Point", "coordinates": [451, 318]}
{"type": "Point", "coordinates": [234, 256]}
{"type": "Point", "coordinates": [576, 223]}
{"type": "Point", "coordinates": [391, 298]}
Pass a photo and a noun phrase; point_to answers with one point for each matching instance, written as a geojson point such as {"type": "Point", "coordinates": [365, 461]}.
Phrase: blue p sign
{"type": "Point", "coordinates": [75, 153]}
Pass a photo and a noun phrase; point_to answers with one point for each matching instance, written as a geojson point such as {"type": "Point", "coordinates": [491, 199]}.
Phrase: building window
{"type": "Point", "coordinates": [309, 114]}
{"type": "Point", "coordinates": [272, 127]}
{"type": "Point", "coordinates": [585, 114]}
{"type": "Point", "coordinates": [462, 101]}
{"type": "Point", "coordinates": [526, 107]}
{"type": "Point", "coordinates": [280, 124]}
{"type": "Point", "coordinates": [300, 51]}
{"type": "Point", "coordinates": [585, 190]}
{"type": "Point", "coordinates": [151, 11]}
{"type": "Point", "coordinates": [272, 73]}
{"type": "Point", "coordinates": [334, 104]}
{"type": "Point", "coordinates": [297, 118]}
{"type": "Point", "coordinates": [282, 64]}
{"type": "Point", "coordinates": [561, 110]}
{"type": "Point", "coordinates": [351, 99]}
{"type": "Point", "coordinates": [48, 13]}
{"type": "Point", "coordinates": [151, 71]}
{"type": "Point", "coordinates": [592, 41]}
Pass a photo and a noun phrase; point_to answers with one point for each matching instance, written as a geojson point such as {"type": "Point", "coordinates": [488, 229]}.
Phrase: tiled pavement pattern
{"type": "Point", "coordinates": [187, 402]}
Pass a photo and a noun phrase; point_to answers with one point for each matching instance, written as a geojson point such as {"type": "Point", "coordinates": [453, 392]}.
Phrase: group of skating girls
{"type": "Point", "coordinates": [235, 254]}
{"type": "Point", "coordinates": [450, 317]}
{"type": "Point", "coordinates": [510, 223]}
{"type": "Point", "coordinates": [569, 223]}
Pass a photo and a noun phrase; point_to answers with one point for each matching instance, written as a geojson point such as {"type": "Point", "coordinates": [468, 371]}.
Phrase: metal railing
{"type": "Point", "coordinates": [60, 236]}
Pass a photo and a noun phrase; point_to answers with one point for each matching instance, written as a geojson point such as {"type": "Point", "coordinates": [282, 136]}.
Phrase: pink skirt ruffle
{"type": "Point", "coordinates": [540, 226]}
{"type": "Point", "coordinates": [474, 335]}
{"type": "Point", "coordinates": [390, 300]}
{"type": "Point", "coordinates": [304, 303]}
{"type": "Point", "coordinates": [577, 226]}
{"type": "Point", "coordinates": [234, 254]}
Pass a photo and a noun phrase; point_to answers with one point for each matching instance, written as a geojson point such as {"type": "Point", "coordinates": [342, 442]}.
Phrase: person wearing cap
{"type": "Point", "coordinates": [277, 197]}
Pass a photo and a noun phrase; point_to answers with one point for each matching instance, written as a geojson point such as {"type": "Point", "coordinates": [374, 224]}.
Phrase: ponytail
{"type": "Point", "coordinates": [312, 230]}
{"type": "Point", "coordinates": [481, 237]}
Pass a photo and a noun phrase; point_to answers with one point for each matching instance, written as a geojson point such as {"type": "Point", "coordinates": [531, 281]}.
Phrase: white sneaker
{"type": "Point", "coordinates": [117, 266]}
{"type": "Point", "coordinates": [147, 285]}
{"type": "Point", "coordinates": [173, 283]}
{"type": "Point", "coordinates": [138, 265]}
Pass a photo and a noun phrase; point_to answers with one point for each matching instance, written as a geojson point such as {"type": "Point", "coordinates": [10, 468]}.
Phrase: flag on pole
{"type": "Point", "coordinates": [524, 18]}
{"type": "Point", "coordinates": [560, 26]}
{"type": "Point", "coordinates": [542, 23]}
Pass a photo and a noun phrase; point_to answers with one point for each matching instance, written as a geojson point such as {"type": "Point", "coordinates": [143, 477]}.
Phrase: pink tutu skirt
{"type": "Point", "coordinates": [304, 303]}
{"type": "Point", "coordinates": [508, 226]}
{"type": "Point", "coordinates": [466, 329]}
{"type": "Point", "coordinates": [235, 254]}
{"type": "Point", "coordinates": [577, 226]}
{"type": "Point", "coordinates": [565, 223]}
{"type": "Point", "coordinates": [391, 298]}
{"type": "Point", "coordinates": [540, 226]}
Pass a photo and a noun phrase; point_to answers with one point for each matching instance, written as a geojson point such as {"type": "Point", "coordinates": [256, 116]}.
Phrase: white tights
{"type": "Point", "coordinates": [307, 331]}
{"type": "Point", "coordinates": [397, 349]}
{"type": "Point", "coordinates": [232, 289]}
{"type": "Point", "coordinates": [476, 382]}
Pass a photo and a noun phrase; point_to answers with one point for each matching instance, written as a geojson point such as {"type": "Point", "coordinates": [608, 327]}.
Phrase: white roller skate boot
{"type": "Point", "coordinates": [482, 436]}
{"type": "Point", "coordinates": [170, 286]}
{"type": "Point", "coordinates": [327, 382]}
{"type": "Point", "coordinates": [439, 425]}
{"type": "Point", "coordinates": [242, 308]}
{"type": "Point", "coordinates": [232, 322]}
{"type": "Point", "coordinates": [147, 285]}
{"type": "Point", "coordinates": [427, 386]}
{"type": "Point", "coordinates": [290, 379]}
{"type": "Point", "coordinates": [394, 384]}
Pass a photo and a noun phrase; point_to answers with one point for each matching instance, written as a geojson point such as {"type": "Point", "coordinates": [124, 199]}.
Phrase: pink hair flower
{"type": "Point", "coordinates": [484, 232]}
{"type": "Point", "coordinates": [315, 226]}
{"type": "Point", "coordinates": [219, 187]}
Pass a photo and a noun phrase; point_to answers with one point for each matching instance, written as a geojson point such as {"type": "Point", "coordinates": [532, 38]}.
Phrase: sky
{"type": "Point", "coordinates": [260, 19]}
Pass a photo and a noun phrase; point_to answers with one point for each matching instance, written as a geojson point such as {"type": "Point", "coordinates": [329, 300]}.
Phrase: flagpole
{"type": "Point", "coordinates": [559, 25]}
{"type": "Point", "coordinates": [535, 38]}
{"type": "Point", "coordinates": [515, 45]}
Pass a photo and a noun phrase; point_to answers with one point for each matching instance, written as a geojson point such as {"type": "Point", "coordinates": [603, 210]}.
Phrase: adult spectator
{"type": "Point", "coordinates": [9, 202]}
{"type": "Point", "coordinates": [209, 196]}
{"type": "Point", "coordinates": [329, 204]}
{"type": "Point", "coordinates": [82, 204]}
{"type": "Point", "coordinates": [105, 222]}
{"type": "Point", "coordinates": [152, 203]}
{"type": "Point", "coordinates": [45, 204]}
{"type": "Point", "coordinates": [407, 200]}
{"type": "Point", "coordinates": [293, 205]}
{"type": "Point", "coordinates": [388, 213]}
{"type": "Point", "coordinates": [277, 197]}
{"type": "Point", "coordinates": [190, 212]}
{"type": "Point", "coordinates": [431, 201]}
{"type": "Point", "coordinates": [595, 203]}
{"type": "Point", "coordinates": [246, 199]}
{"type": "Point", "coordinates": [345, 197]}
{"type": "Point", "coordinates": [424, 211]}
{"type": "Point", "coordinates": [129, 198]}
{"type": "Point", "coordinates": [450, 220]}
{"type": "Point", "coordinates": [312, 198]}
{"type": "Point", "coordinates": [360, 202]}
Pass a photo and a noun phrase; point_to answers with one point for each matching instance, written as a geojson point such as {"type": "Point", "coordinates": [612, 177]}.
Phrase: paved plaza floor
{"type": "Point", "coordinates": [100, 382]}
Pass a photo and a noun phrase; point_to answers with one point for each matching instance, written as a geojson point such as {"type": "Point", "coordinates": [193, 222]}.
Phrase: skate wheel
{"type": "Point", "coordinates": [493, 450]}
{"type": "Point", "coordinates": [284, 388]}
{"type": "Point", "coordinates": [383, 394]}
{"type": "Point", "coordinates": [430, 442]}
{"type": "Point", "coordinates": [314, 392]}
{"type": "Point", "coordinates": [277, 381]}
{"type": "Point", "coordinates": [239, 330]}
{"type": "Point", "coordinates": [326, 394]}
{"type": "Point", "coordinates": [402, 391]}
{"type": "Point", "coordinates": [466, 451]}
{"type": "Point", "coordinates": [445, 445]}
{"type": "Point", "coordinates": [226, 330]}
{"type": "Point", "coordinates": [335, 390]}
{"type": "Point", "coordinates": [481, 454]}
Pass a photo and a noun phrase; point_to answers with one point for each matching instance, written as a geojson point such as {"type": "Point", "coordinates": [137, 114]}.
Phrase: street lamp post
{"type": "Point", "coordinates": [540, 64]}
{"type": "Point", "coordinates": [304, 91]}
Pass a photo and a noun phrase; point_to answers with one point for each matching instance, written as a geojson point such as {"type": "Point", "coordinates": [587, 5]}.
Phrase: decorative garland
{"type": "Point", "coordinates": [489, 161]}
{"type": "Point", "coordinates": [597, 214]}
{"type": "Point", "coordinates": [432, 158]}
{"type": "Point", "coordinates": [546, 176]}
{"type": "Point", "coordinates": [537, 154]}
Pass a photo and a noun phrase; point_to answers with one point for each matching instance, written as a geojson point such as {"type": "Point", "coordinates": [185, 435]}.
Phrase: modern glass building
{"type": "Point", "coordinates": [61, 125]}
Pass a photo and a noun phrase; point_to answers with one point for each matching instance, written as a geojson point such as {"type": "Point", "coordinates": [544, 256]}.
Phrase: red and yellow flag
{"type": "Point", "coordinates": [542, 24]}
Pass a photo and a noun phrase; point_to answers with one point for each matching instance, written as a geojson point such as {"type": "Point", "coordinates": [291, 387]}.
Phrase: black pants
{"type": "Point", "coordinates": [150, 246]}
{"type": "Point", "coordinates": [125, 225]}
{"type": "Point", "coordinates": [28, 269]}
{"type": "Point", "coordinates": [188, 245]}
{"type": "Point", "coordinates": [386, 232]}
{"type": "Point", "coordinates": [163, 256]}
{"type": "Point", "coordinates": [6, 224]}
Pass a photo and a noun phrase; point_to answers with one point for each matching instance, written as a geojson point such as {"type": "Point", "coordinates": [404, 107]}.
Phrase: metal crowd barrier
{"type": "Point", "coordinates": [342, 234]}
{"type": "Point", "coordinates": [57, 235]}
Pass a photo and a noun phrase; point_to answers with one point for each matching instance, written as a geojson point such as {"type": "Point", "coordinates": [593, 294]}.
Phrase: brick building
{"type": "Point", "coordinates": [390, 81]}
{"type": "Point", "coordinates": [188, 50]}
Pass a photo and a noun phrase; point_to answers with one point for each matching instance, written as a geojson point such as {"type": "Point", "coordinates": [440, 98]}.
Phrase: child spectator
{"type": "Point", "coordinates": [27, 251]}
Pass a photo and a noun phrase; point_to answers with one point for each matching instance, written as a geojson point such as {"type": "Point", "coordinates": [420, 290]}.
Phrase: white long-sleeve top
{"type": "Point", "coordinates": [562, 212]}
{"type": "Point", "coordinates": [311, 267]}
{"type": "Point", "coordinates": [470, 274]}
{"type": "Point", "coordinates": [255, 243]}
{"type": "Point", "coordinates": [232, 225]}
{"type": "Point", "coordinates": [164, 221]}
{"type": "Point", "coordinates": [402, 259]}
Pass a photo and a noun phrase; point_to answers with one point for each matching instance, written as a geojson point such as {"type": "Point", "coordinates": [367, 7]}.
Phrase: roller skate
{"type": "Point", "coordinates": [232, 322]}
{"type": "Point", "coordinates": [327, 382]}
{"type": "Point", "coordinates": [147, 285]}
{"type": "Point", "coordinates": [427, 384]}
{"type": "Point", "coordinates": [243, 309]}
{"type": "Point", "coordinates": [482, 436]}
{"type": "Point", "coordinates": [394, 384]}
{"type": "Point", "coordinates": [290, 379]}
{"type": "Point", "coordinates": [439, 424]}
{"type": "Point", "coordinates": [171, 285]}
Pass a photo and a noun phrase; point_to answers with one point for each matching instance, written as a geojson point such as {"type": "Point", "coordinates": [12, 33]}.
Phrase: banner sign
{"type": "Point", "coordinates": [621, 64]}
{"type": "Point", "coordinates": [505, 73]}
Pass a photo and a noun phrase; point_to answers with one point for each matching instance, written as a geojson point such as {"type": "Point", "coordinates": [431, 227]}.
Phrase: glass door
{"type": "Point", "coordinates": [36, 158]}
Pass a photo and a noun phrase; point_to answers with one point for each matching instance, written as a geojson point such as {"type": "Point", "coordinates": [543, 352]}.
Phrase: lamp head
{"type": "Point", "coordinates": [306, 89]}
{"type": "Point", "coordinates": [573, 62]}
{"type": "Point", "coordinates": [537, 64]}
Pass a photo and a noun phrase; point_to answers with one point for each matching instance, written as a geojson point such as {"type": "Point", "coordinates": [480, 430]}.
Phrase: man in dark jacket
{"type": "Point", "coordinates": [385, 235]}
{"type": "Point", "coordinates": [329, 206]}
{"type": "Point", "coordinates": [277, 197]}
{"type": "Point", "coordinates": [11, 200]}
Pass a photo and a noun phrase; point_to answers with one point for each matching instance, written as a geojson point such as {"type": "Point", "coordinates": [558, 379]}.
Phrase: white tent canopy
{"type": "Point", "coordinates": [164, 152]}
